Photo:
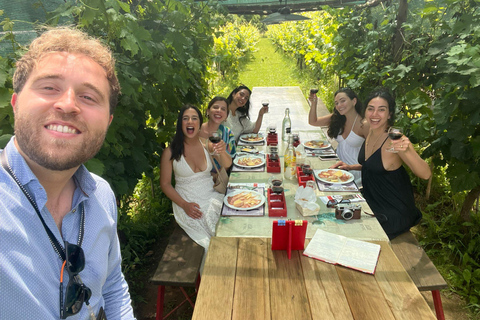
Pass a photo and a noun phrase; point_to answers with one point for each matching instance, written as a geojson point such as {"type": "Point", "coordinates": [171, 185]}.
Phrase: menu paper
{"type": "Point", "coordinates": [337, 249]}
{"type": "Point", "coordinates": [353, 198]}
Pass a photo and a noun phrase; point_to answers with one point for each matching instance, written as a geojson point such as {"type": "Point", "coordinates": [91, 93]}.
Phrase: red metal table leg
{"type": "Point", "coordinates": [160, 300]}
{"type": "Point", "coordinates": [437, 302]}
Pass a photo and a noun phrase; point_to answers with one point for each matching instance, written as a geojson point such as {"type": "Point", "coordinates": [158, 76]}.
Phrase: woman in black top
{"type": "Point", "coordinates": [386, 184]}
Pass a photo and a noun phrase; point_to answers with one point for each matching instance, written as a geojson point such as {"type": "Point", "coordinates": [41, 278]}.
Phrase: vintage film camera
{"type": "Point", "coordinates": [348, 211]}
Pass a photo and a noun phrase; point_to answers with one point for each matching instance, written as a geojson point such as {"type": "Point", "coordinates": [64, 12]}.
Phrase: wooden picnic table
{"type": "Point", "coordinates": [244, 279]}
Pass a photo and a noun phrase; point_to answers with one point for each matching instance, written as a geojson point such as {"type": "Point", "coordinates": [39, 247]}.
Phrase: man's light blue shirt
{"type": "Point", "coordinates": [29, 266]}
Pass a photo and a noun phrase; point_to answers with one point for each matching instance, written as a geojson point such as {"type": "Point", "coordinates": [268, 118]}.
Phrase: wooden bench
{"type": "Point", "coordinates": [420, 268]}
{"type": "Point", "coordinates": [179, 267]}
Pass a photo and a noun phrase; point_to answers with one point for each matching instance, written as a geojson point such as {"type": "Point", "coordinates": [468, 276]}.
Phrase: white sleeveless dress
{"type": "Point", "coordinates": [197, 187]}
{"type": "Point", "coordinates": [348, 149]}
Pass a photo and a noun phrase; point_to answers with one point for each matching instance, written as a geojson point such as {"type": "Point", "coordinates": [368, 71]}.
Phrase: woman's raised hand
{"type": "Point", "coordinates": [400, 145]}
{"type": "Point", "coordinates": [263, 110]}
{"type": "Point", "coordinates": [312, 98]}
{"type": "Point", "coordinates": [219, 147]}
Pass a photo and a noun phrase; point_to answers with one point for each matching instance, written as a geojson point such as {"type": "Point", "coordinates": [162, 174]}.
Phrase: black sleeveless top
{"type": "Point", "coordinates": [389, 194]}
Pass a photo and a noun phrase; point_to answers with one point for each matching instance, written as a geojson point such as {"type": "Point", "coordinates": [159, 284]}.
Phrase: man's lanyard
{"type": "Point", "coordinates": [55, 244]}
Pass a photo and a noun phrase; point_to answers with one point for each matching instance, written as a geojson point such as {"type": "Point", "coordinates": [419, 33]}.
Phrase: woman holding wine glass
{"type": "Point", "coordinates": [196, 205]}
{"type": "Point", "coordinates": [344, 124]}
{"type": "Point", "coordinates": [220, 136]}
{"type": "Point", "coordinates": [238, 119]}
{"type": "Point", "coordinates": [386, 183]}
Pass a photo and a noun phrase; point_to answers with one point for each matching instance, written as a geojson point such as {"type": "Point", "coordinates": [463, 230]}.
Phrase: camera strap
{"type": "Point", "coordinates": [57, 247]}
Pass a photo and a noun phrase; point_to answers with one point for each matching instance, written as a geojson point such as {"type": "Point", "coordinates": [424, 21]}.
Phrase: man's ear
{"type": "Point", "coordinates": [13, 101]}
{"type": "Point", "coordinates": [111, 118]}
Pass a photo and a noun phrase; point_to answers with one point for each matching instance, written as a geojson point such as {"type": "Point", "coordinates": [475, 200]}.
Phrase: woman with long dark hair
{"type": "Point", "coordinates": [386, 183]}
{"type": "Point", "coordinates": [196, 205]}
{"type": "Point", "coordinates": [344, 124]}
{"type": "Point", "coordinates": [238, 119]}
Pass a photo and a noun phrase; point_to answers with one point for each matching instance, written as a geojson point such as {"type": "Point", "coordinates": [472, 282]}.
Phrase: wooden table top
{"type": "Point", "coordinates": [244, 279]}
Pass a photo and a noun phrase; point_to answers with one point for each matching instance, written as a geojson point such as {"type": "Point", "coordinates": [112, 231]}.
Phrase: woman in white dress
{"type": "Point", "coordinates": [345, 125]}
{"type": "Point", "coordinates": [238, 119]}
{"type": "Point", "coordinates": [196, 205]}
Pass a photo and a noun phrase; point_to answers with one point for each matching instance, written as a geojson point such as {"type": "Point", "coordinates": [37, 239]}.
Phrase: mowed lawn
{"type": "Point", "coordinates": [270, 68]}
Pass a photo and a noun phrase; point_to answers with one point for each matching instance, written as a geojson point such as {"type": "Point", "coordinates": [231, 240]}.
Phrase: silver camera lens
{"type": "Point", "coordinates": [347, 214]}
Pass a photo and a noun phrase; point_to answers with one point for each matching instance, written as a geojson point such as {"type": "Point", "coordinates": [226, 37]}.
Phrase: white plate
{"type": "Point", "coordinates": [244, 137]}
{"type": "Point", "coordinates": [251, 193]}
{"type": "Point", "coordinates": [248, 150]}
{"type": "Point", "coordinates": [350, 176]}
{"type": "Point", "coordinates": [327, 145]}
{"type": "Point", "coordinates": [237, 159]}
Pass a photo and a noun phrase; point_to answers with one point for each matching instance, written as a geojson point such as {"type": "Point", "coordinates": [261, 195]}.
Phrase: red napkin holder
{"type": "Point", "coordinates": [289, 235]}
{"type": "Point", "coordinates": [303, 178]}
{"type": "Point", "coordinates": [272, 138]}
{"type": "Point", "coordinates": [277, 206]}
{"type": "Point", "coordinates": [273, 166]}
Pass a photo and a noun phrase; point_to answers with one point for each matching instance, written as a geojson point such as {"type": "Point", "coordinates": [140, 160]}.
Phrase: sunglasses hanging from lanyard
{"type": "Point", "coordinates": [73, 256]}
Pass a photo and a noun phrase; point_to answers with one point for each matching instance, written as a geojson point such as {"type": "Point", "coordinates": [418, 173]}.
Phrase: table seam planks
{"type": "Point", "coordinates": [254, 283]}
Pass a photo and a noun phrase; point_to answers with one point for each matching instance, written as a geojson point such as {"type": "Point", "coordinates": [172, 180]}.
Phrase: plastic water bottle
{"type": "Point", "coordinates": [286, 125]}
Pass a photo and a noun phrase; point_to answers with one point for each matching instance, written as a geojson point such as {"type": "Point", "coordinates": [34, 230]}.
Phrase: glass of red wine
{"type": "Point", "coordinates": [265, 103]}
{"type": "Point", "coordinates": [394, 133]}
{"type": "Point", "coordinates": [276, 183]}
{"type": "Point", "coordinates": [214, 137]}
{"type": "Point", "coordinates": [313, 90]}
{"type": "Point", "coordinates": [307, 169]}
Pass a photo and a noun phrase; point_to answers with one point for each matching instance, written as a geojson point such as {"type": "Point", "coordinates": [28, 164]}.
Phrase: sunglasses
{"type": "Point", "coordinates": [332, 203]}
{"type": "Point", "coordinates": [77, 292]}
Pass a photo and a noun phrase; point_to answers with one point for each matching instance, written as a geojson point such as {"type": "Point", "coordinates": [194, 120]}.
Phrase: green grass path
{"type": "Point", "coordinates": [270, 68]}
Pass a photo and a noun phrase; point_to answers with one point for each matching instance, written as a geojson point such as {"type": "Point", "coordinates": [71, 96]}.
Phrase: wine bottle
{"type": "Point", "coordinates": [286, 125]}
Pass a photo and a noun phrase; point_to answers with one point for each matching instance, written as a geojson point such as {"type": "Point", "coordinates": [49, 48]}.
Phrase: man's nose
{"type": "Point", "coordinates": [67, 102]}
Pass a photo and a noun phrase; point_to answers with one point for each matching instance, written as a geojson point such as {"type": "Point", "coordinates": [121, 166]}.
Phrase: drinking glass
{"type": "Point", "coordinates": [276, 183]}
{"type": "Point", "coordinates": [394, 133]}
{"type": "Point", "coordinates": [273, 153]}
{"type": "Point", "coordinates": [307, 168]}
{"type": "Point", "coordinates": [214, 137]}
{"type": "Point", "coordinates": [265, 103]}
{"type": "Point", "coordinates": [310, 184]}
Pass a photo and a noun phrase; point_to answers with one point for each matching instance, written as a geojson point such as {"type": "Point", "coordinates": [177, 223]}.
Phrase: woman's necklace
{"type": "Point", "coordinates": [367, 143]}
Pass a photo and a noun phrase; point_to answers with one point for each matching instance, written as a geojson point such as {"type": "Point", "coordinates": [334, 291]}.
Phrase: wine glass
{"type": "Point", "coordinates": [276, 183]}
{"type": "Point", "coordinates": [307, 168]}
{"type": "Point", "coordinates": [214, 137]}
{"type": "Point", "coordinates": [272, 129]}
{"type": "Point", "coordinates": [265, 103]}
{"type": "Point", "coordinates": [394, 133]}
{"type": "Point", "coordinates": [313, 95]}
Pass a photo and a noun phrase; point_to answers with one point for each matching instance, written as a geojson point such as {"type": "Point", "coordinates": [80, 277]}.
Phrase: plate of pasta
{"type": "Point", "coordinates": [244, 199]}
{"type": "Point", "coordinates": [249, 161]}
{"type": "Point", "coordinates": [252, 137]}
{"type": "Point", "coordinates": [317, 144]}
{"type": "Point", "coordinates": [335, 176]}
